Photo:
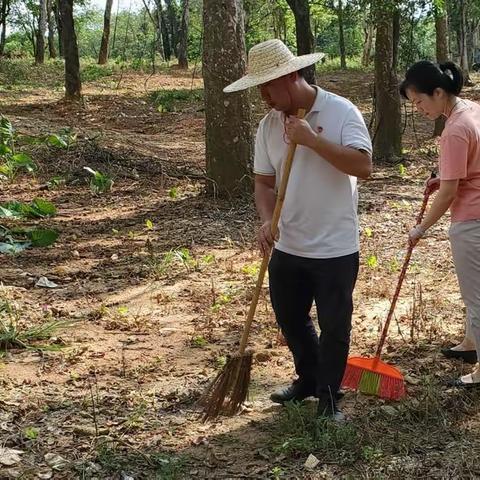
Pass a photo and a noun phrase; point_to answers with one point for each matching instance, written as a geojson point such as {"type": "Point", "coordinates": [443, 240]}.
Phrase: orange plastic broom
{"type": "Point", "coordinates": [371, 375]}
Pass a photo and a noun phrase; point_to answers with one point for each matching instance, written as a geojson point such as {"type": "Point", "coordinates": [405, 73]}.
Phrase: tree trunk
{"type": "Point", "coordinates": [341, 35]}
{"type": "Point", "coordinates": [396, 37]}
{"type": "Point", "coordinates": [183, 37]}
{"type": "Point", "coordinates": [167, 50]}
{"type": "Point", "coordinates": [73, 85]}
{"type": "Point", "coordinates": [3, 39]}
{"type": "Point", "coordinates": [303, 33]}
{"type": "Point", "coordinates": [368, 33]}
{"type": "Point", "coordinates": [173, 26]}
{"type": "Point", "coordinates": [463, 42]}
{"type": "Point", "coordinates": [387, 138]}
{"type": "Point", "coordinates": [42, 28]}
{"type": "Point", "coordinates": [4, 12]}
{"type": "Point", "coordinates": [56, 12]}
{"type": "Point", "coordinates": [52, 52]}
{"type": "Point", "coordinates": [155, 18]}
{"type": "Point", "coordinates": [159, 36]}
{"type": "Point", "coordinates": [103, 55]}
{"type": "Point", "coordinates": [228, 121]}
{"type": "Point", "coordinates": [441, 32]}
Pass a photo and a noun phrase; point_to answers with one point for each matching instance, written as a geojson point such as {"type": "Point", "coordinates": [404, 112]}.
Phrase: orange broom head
{"type": "Point", "coordinates": [374, 377]}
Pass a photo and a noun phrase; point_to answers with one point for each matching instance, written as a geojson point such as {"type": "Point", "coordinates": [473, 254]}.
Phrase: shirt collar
{"type": "Point", "coordinates": [318, 103]}
{"type": "Point", "coordinates": [320, 99]}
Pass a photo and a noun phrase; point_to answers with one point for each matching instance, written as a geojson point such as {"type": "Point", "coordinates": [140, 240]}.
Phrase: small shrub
{"type": "Point", "coordinates": [176, 100]}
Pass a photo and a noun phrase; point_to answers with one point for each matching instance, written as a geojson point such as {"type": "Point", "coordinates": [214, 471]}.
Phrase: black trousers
{"type": "Point", "coordinates": [294, 283]}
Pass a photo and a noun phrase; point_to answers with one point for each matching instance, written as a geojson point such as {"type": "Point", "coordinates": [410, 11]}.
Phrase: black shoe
{"type": "Point", "coordinates": [328, 408]}
{"type": "Point", "coordinates": [296, 392]}
{"type": "Point", "coordinates": [468, 356]}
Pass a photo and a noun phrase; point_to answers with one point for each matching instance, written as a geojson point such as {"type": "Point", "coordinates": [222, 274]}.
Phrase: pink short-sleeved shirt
{"type": "Point", "coordinates": [460, 159]}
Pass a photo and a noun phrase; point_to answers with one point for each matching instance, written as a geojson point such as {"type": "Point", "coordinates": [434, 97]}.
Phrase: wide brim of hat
{"type": "Point", "coordinates": [252, 80]}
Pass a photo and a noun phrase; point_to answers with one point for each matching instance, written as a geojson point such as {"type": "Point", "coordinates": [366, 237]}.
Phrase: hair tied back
{"type": "Point", "coordinates": [448, 73]}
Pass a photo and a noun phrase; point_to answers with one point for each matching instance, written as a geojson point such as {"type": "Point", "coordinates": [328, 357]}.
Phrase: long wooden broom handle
{"type": "Point", "coordinates": [401, 278]}
{"type": "Point", "coordinates": [275, 219]}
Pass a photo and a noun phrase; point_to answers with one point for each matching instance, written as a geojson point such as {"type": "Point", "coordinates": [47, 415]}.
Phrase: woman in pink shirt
{"type": "Point", "coordinates": [434, 89]}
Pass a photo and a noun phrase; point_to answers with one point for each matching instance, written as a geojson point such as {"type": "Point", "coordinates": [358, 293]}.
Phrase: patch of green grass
{"type": "Point", "coordinates": [198, 341]}
{"type": "Point", "coordinates": [91, 72]}
{"type": "Point", "coordinates": [12, 335]}
{"type": "Point", "coordinates": [161, 465]}
{"type": "Point", "coordinates": [333, 65]}
{"type": "Point", "coordinates": [21, 73]}
{"type": "Point", "coordinates": [299, 431]}
{"type": "Point", "coordinates": [176, 100]}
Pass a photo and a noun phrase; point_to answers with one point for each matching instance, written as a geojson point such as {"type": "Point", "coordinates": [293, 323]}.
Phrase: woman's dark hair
{"type": "Point", "coordinates": [425, 77]}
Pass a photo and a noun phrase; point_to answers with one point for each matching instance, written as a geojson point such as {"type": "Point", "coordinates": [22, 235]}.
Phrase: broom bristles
{"type": "Point", "coordinates": [372, 382]}
{"type": "Point", "coordinates": [229, 389]}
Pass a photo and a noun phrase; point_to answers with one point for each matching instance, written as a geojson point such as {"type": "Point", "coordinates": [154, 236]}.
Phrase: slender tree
{"type": "Point", "coordinates": [341, 35]}
{"type": "Point", "coordinates": [73, 85]}
{"type": "Point", "coordinates": [51, 30]}
{"type": "Point", "coordinates": [387, 136]}
{"type": "Point", "coordinates": [368, 32]}
{"type": "Point", "coordinates": [172, 25]}
{"type": "Point", "coordinates": [464, 61]}
{"type": "Point", "coordinates": [103, 55]}
{"type": "Point", "coordinates": [4, 12]}
{"type": "Point", "coordinates": [42, 28]}
{"type": "Point", "coordinates": [303, 33]}
{"type": "Point", "coordinates": [56, 14]}
{"type": "Point", "coordinates": [183, 36]}
{"type": "Point", "coordinates": [227, 116]}
{"type": "Point", "coordinates": [160, 13]}
{"type": "Point", "coordinates": [441, 32]}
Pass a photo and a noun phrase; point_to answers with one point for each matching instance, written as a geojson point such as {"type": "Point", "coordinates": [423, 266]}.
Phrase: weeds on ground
{"type": "Point", "coordinates": [13, 334]}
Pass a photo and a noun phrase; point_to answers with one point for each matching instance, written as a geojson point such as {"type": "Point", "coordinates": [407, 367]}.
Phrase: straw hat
{"type": "Point", "coordinates": [270, 60]}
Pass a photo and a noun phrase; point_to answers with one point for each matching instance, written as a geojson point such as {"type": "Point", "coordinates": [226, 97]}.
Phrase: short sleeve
{"type": "Point", "coordinates": [453, 157]}
{"type": "Point", "coordinates": [262, 164]}
{"type": "Point", "coordinates": [355, 133]}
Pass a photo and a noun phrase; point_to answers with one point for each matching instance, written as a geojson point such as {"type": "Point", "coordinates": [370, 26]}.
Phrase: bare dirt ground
{"type": "Point", "coordinates": [154, 281]}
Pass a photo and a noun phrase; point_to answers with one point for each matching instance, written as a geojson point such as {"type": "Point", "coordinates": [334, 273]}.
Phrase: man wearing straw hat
{"type": "Point", "coordinates": [315, 256]}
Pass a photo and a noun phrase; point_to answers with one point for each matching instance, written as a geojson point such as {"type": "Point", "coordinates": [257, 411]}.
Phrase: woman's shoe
{"type": "Point", "coordinates": [468, 356]}
{"type": "Point", "coordinates": [458, 382]}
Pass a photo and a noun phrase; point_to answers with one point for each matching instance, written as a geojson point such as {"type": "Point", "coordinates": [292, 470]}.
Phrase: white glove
{"type": "Point", "coordinates": [415, 234]}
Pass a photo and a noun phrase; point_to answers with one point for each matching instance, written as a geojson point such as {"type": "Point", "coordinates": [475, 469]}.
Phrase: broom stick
{"type": "Point", "coordinates": [232, 382]}
{"type": "Point", "coordinates": [406, 262]}
{"type": "Point", "coordinates": [274, 226]}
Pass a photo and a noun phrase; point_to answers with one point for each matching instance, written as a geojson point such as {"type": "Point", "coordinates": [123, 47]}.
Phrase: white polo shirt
{"type": "Point", "coordinates": [319, 216]}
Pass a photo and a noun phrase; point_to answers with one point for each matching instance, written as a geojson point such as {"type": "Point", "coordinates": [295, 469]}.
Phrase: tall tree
{"type": "Point", "coordinates": [183, 36]}
{"type": "Point", "coordinates": [387, 137]}
{"type": "Point", "coordinates": [464, 61]}
{"type": "Point", "coordinates": [155, 18]}
{"type": "Point", "coordinates": [56, 13]}
{"type": "Point", "coordinates": [303, 33]}
{"type": "Point", "coordinates": [341, 35]}
{"type": "Point", "coordinates": [73, 85]}
{"type": "Point", "coordinates": [51, 30]}
{"type": "Point", "coordinates": [441, 44]}
{"type": "Point", "coordinates": [103, 55]}
{"type": "Point", "coordinates": [42, 28]}
{"type": "Point", "coordinates": [161, 15]}
{"type": "Point", "coordinates": [172, 25]}
{"type": "Point", "coordinates": [4, 12]}
{"type": "Point", "coordinates": [368, 32]}
{"type": "Point", "coordinates": [228, 121]}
